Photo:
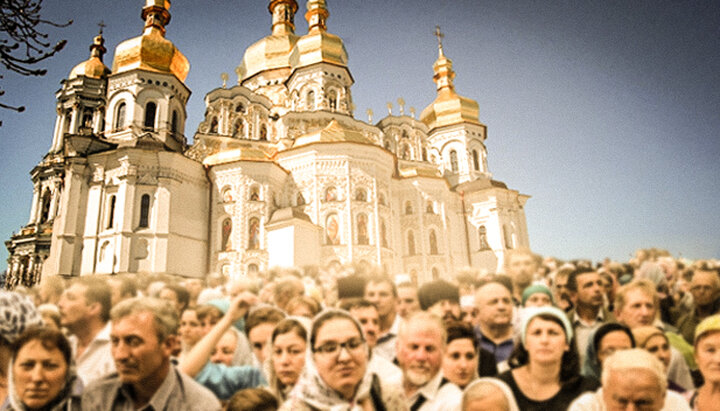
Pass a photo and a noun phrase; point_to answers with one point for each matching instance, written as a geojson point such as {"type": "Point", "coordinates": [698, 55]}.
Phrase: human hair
{"type": "Point", "coordinates": [252, 399]}
{"type": "Point", "coordinates": [570, 362]}
{"type": "Point", "coordinates": [54, 284]}
{"type": "Point", "coordinates": [634, 358]}
{"type": "Point", "coordinates": [286, 289]}
{"type": "Point", "coordinates": [427, 318]}
{"type": "Point", "coordinates": [208, 311]}
{"type": "Point", "coordinates": [380, 279]}
{"type": "Point", "coordinates": [128, 285]}
{"type": "Point", "coordinates": [328, 315]}
{"type": "Point", "coordinates": [482, 388]}
{"type": "Point", "coordinates": [644, 285]}
{"type": "Point", "coordinates": [182, 294]}
{"type": "Point", "coordinates": [354, 303]}
{"type": "Point", "coordinates": [510, 254]}
{"type": "Point", "coordinates": [164, 315]}
{"type": "Point", "coordinates": [310, 303]}
{"type": "Point", "coordinates": [48, 337]}
{"type": "Point", "coordinates": [457, 330]}
{"type": "Point", "coordinates": [572, 284]}
{"type": "Point", "coordinates": [289, 325]}
{"type": "Point", "coordinates": [51, 311]}
{"type": "Point", "coordinates": [606, 329]}
{"type": "Point", "coordinates": [503, 280]}
{"type": "Point", "coordinates": [261, 315]}
{"type": "Point", "coordinates": [97, 291]}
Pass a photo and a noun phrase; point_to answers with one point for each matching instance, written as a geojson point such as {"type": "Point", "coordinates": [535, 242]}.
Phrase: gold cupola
{"type": "Point", "coordinates": [449, 107]}
{"type": "Point", "coordinates": [152, 51]}
{"type": "Point", "coordinates": [318, 46]}
{"type": "Point", "coordinates": [273, 51]}
{"type": "Point", "coordinates": [94, 66]}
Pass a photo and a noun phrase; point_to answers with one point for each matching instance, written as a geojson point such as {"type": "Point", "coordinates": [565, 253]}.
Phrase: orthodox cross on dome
{"type": "Point", "coordinates": [412, 112]}
{"type": "Point", "coordinates": [439, 34]}
{"type": "Point", "coordinates": [370, 115]}
{"type": "Point", "coordinates": [102, 26]}
{"type": "Point", "coordinates": [224, 77]}
{"type": "Point", "coordinates": [389, 107]}
{"type": "Point", "coordinates": [401, 103]}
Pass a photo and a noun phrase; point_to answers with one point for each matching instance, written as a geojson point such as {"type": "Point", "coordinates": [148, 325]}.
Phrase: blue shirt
{"type": "Point", "coordinates": [501, 351]}
{"type": "Point", "coordinates": [224, 381]}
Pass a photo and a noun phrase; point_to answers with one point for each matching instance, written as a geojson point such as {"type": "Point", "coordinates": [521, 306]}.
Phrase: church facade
{"type": "Point", "coordinates": [279, 173]}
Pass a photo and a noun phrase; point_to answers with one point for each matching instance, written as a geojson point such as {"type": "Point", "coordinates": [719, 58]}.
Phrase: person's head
{"type": "Point", "coordinates": [122, 287]}
{"type": "Point", "coordinates": [366, 313]}
{"type": "Point", "coordinates": [407, 302]}
{"type": "Point", "coordinates": [460, 362]}
{"type": "Point", "coordinates": [177, 295]}
{"type": "Point", "coordinates": [520, 266]}
{"type": "Point", "coordinates": [546, 338]}
{"type": "Point", "coordinates": [191, 328]}
{"type": "Point", "coordinates": [288, 350]}
{"type": "Point", "coordinates": [142, 339]}
{"type": "Point", "coordinates": [704, 287]}
{"type": "Point", "coordinates": [259, 325]}
{"type": "Point", "coordinates": [194, 286]}
{"type": "Point", "coordinates": [488, 394]}
{"type": "Point", "coordinates": [441, 298]}
{"type": "Point", "coordinates": [286, 289]}
{"type": "Point", "coordinates": [707, 347]}
{"type": "Point", "coordinates": [208, 315]}
{"type": "Point", "coordinates": [303, 306]}
{"type": "Point", "coordinates": [560, 280]}
{"type": "Point", "coordinates": [468, 310]}
{"type": "Point", "coordinates": [636, 303]}
{"type": "Point", "coordinates": [381, 291]}
{"type": "Point", "coordinates": [40, 364]}
{"type": "Point", "coordinates": [495, 306]}
{"type": "Point", "coordinates": [339, 351]}
{"type": "Point", "coordinates": [537, 295]}
{"type": "Point", "coordinates": [50, 315]}
{"type": "Point", "coordinates": [252, 399]}
{"type": "Point", "coordinates": [224, 351]}
{"type": "Point", "coordinates": [654, 341]}
{"type": "Point", "coordinates": [50, 289]}
{"type": "Point", "coordinates": [420, 348]}
{"type": "Point", "coordinates": [611, 337]}
{"type": "Point", "coordinates": [633, 377]}
{"type": "Point", "coordinates": [17, 313]}
{"type": "Point", "coordinates": [86, 300]}
{"type": "Point", "coordinates": [586, 288]}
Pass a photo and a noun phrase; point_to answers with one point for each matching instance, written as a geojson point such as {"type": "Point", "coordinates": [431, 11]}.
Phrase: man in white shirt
{"type": "Point", "coordinates": [85, 312]}
{"type": "Point", "coordinates": [420, 350]}
{"type": "Point", "coordinates": [382, 292]}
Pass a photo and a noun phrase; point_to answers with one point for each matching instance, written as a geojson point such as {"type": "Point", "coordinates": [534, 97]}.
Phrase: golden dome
{"type": "Point", "coordinates": [94, 66]}
{"type": "Point", "coordinates": [273, 51]}
{"type": "Point", "coordinates": [449, 107]}
{"type": "Point", "coordinates": [152, 51]}
{"type": "Point", "coordinates": [318, 46]}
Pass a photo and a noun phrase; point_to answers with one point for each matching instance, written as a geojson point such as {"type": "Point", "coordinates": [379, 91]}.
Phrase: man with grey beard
{"type": "Point", "coordinates": [420, 350]}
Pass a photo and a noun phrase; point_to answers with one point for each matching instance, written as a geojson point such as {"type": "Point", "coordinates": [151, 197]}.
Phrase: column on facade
{"type": "Point", "coordinates": [35, 205]}
{"type": "Point", "coordinates": [57, 135]}
{"type": "Point", "coordinates": [378, 239]}
{"type": "Point", "coordinates": [74, 114]}
{"type": "Point", "coordinates": [54, 200]}
{"type": "Point", "coordinates": [349, 211]}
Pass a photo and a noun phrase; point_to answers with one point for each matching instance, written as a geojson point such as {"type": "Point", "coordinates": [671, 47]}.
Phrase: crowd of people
{"type": "Point", "coordinates": [542, 335]}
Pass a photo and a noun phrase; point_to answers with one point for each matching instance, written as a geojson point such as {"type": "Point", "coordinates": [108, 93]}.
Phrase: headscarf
{"type": "Point", "coordinates": [534, 289]}
{"type": "Point", "coordinates": [643, 334]}
{"type": "Point", "coordinates": [274, 385]}
{"type": "Point", "coordinates": [313, 390]}
{"type": "Point", "coordinates": [709, 324]}
{"type": "Point", "coordinates": [533, 312]}
{"type": "Point", "coordinates": [506, 390]}
{"type": "Point", "coordinates": [591, 364]}
{"type": "Point", "coordinates": [17, 313]}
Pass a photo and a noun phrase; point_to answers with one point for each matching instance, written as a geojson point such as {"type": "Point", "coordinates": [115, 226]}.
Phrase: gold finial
{"type": "Point", "coordinates": [97, 48]}
{"type": "Point", "coordinates": [156, 14]}
{"type": "Point", "coordinates": [283, 16]}
{"type": "Point", "coordinates": [369, 114]}
{"type": "Point", "coordinates": [224, 77]}
{"type": "Point", "coordinates": [439, 34]}
{"type": "Point", "coordinates": [412, 112]}
{"type": "Point", "coordinates": [238, 71]}
{"type": "Point", "coordinates": [401, 104]}
{"type": "Point", "coordinates": [317, 14]}
{"type": "Point", "coordinates": [389, 107]}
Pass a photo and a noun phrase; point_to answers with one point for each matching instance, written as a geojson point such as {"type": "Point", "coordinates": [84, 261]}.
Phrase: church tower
{"type": "Point", "coordinates": [320, 77]}
{"type": "Point", "coordinates": [455, 133]}
{"type": "Point", "coordinates": [146, 91]}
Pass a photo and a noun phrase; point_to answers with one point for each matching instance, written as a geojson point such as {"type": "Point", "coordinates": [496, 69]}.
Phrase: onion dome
{"type": "Point", "coordinates": [318, 46]}
{"type": "Point", "coordinates": [152, 51]}
{"type": "Point", "coordinates": [273, 51]}
{"type": "Point", "coordinates": [449, 107]}
{"type": "Point", "coordinates": [94, 66]}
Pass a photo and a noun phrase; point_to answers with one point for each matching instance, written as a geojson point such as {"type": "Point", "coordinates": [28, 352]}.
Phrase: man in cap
{"type": "Point", "coordinates": [441, 298]}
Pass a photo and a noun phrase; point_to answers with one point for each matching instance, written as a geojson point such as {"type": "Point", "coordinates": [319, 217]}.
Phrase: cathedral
{"type": "Point", "coordinates": [280, 172]}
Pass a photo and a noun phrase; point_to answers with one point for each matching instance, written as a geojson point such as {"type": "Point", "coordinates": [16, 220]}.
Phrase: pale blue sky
{"type": "Point", "coordinates": [606, 113]}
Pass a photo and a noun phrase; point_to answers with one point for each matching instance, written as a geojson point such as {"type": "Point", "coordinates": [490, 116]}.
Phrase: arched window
{"type": "Point", "coordinates": [362, 230]}
{"type": "Point", "coordinates": [254, 193]}
{"type": "Point", "coordinates": [387, 145]}
{"type": "Point", "coordinates": [453, 161]}
{"type": "Point", "coordinates": [263, 132]}
{"type": "Point", "coordinates": [408, 208]}
{"type": "Point", "coordinates": [482, 238]}
{"type": "Point", "coordinates": [87, 118]}
{"type": "Point", "coordinates": [476, 160]}
{"type": "Point", "coordinates": [66, 125]}
{"type": "Point", "coordinates": [227, 195]}
{"type": "Point", "coordinates": [405, 152]}
{"type": "Point", "coordinates": [174, 122]}
{"type": "Point", "coordinates": [360, 195]}
{"type": "Point", "coordinates": [331, 194]}
{"type": "Point", "coordinates": [45, 206]}
{"type": "Point", "coordinates": [411, 243]}
{"type": "Point", "coordinates": [332, 230]}
{"type": "Point", "coordinates": [252, 269]}
{"type": "Point", "coordinates": [381, 199]}
{"type": "Point", "coordinates": [238, 128]}
{"type": "Point", "coordinates": [119, 116]}
{"type": "Point", "coordinates": [214, 125]}
{"type": "Point", "coordinates": [429, 207]}
{"type": "Point", "coordinates": [300, 199]}
{"type": "Point", "coordinates": [310, 100]}
{"type": "Point", "coordinates": [253, 234]}
{"type": "Point", "coordinates": [111, 212]}
{"type": "Point", "coordinates": [433, 243]}
{"type": "Point", "coordinates": [332, 100]}
{"type": "Point", "coordinates": [239, 108]}
{"type": "Point", "coordinates": [508, 237]}
{"type": "Point", "coordinates": [383, 234]}
{"type": "Point", "coordinates": [226, 243]}
{"type": "Point", "coordinates": [150, 112]}
{"type": "Point", "coordinates": [424, 154]}
{"type": "Point", "coordinates": [144, 211]}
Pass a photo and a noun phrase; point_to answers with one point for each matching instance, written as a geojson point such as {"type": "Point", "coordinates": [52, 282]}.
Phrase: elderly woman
{"type": "Point", "coordinates": [42, 374]}
{"type": "Point", "coordinates": [707, 347]}
{"type": "Point", "coordinates": [545, 370]}
{"type": "Point", "coordinates": [488, 394]}
{"type": "Point", "coordinates": [336, 375]}
{"type": "Point", "coordinates": [288, 347]}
